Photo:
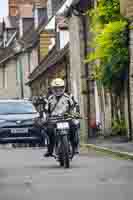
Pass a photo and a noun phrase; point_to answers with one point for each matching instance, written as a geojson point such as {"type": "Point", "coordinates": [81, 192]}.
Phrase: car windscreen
{"type": "Point", "coordinates": [16, 108]}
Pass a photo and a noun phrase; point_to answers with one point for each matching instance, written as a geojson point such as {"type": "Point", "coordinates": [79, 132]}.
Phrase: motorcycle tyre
{"type": "Point", "coordinates": [65, 144]}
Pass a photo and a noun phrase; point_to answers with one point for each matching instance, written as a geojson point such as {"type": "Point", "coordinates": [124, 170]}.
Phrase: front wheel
{"type": "Point", "coordinates": [65, 144]}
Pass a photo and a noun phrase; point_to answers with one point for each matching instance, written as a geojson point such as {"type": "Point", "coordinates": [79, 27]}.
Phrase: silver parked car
{"type": "Point", "coordinates": [18, 122]}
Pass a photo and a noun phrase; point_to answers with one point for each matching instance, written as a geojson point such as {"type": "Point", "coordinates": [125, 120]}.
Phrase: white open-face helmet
{"type": "Point", "coordinates": [58, 86]}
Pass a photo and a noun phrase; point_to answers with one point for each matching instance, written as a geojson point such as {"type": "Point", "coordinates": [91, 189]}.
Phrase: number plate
{"type": "Point", "coordinates": [64, 125]}
{"type": "Point", "coordinates": [19, 130]}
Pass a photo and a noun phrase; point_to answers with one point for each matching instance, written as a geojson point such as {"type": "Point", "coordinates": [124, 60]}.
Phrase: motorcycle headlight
{"type": "Point", "coordinates": [76, 121]}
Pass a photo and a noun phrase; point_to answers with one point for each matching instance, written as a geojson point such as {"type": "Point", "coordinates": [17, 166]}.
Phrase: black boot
{"type": "Point", "coordinates": [49, 153]}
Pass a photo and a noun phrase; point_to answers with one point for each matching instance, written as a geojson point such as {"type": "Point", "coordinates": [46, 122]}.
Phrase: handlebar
{"type": "Point", "coordinates": [64, 117]}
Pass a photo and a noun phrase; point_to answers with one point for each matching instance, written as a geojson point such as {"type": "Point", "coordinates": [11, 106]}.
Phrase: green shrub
{"type": "Point", "coordinates": [119, 127]}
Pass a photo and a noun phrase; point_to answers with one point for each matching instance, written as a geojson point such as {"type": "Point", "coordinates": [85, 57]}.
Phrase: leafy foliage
{"type": "Point", "coordinates": [110, 52]}
{"type": "Point", "coordinates": [119, 127]}
{"type": "Point", "coordinates": [105, 12]}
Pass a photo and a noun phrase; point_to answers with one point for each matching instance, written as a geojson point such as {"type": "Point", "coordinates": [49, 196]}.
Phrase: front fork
{"type": "Point", "coordinates": [58, 146]}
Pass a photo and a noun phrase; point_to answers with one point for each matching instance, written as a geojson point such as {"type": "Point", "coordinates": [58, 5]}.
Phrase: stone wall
{"type": "Point", "coordinates": [10, 77]}
{"type": "Point", "coordinates": [77, 71]}
{"type": "Point", "coordinates": [129, 9]}
{"type": "Point", "coordinates": [8, 84]}
{"type": "Point", "coordinates": [126, 7]}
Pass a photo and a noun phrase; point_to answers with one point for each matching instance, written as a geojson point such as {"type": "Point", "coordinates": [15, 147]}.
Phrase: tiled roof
{"type": "Point", "coordinates": [5, 54]}
{"type": "Point", "coordinates": [50, 60]}
{"type": "Point", "coordinates": [29, 38]}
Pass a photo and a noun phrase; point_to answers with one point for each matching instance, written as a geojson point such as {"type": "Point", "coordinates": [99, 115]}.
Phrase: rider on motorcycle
{"type": "Point", "coordinates": [60, 103]}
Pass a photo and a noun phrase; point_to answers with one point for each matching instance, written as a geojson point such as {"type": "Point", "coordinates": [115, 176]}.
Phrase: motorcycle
{"type": "Point", "coordinates": [63, 149]}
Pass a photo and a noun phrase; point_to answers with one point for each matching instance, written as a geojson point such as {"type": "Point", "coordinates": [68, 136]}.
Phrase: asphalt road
{"type": "Point", "coordinates": [26, 175]}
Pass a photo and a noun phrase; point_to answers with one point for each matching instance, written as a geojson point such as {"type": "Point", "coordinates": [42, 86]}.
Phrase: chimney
{"type": "Point", "coordinates": [25, 18]}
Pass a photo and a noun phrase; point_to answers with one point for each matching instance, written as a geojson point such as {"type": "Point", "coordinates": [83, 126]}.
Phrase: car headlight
{"type": "Point", "coordinates": [2, 121]}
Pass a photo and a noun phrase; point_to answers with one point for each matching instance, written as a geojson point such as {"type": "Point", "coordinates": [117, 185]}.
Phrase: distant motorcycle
{"type": "Point", "coordinates": [63, 150]}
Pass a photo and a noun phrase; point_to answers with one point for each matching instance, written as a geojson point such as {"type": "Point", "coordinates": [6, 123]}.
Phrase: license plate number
{"type": "Point", "coordinates": [64, 125]}
{"type": "Point", "coordinates": [19, 130]}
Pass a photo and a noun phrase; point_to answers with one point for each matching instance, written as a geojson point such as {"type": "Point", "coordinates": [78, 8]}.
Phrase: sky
{"type": "Point", "coordinates": [3, 8]}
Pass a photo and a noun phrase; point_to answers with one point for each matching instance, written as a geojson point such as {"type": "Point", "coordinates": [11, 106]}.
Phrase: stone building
{"type": "Point", "coordinates": [55, 64]}
{"type": "Point", "coordinates": [15, 5]}
{"type": "Point", "coordinates": [20, 52]}
{"type": "Point", "coordinates": [54, 54]}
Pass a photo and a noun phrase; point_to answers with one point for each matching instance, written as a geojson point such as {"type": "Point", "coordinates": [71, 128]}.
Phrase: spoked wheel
{"type": "Point", "coordinates": [59, 152]}
{"type": "Point", "coordinates": [65, 145]}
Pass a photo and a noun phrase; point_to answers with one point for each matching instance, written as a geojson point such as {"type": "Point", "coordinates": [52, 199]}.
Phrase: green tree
{"type": "Point", "coordinates": [109, 56]}
{"type": "Point", "coordinates": [109, 42]}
